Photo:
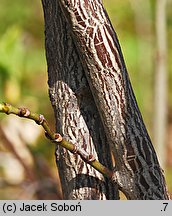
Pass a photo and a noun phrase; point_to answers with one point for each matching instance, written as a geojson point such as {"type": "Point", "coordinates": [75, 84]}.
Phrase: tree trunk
{"type": "Point", "coordinates": [137, 170]}
{"type": "Point", "coordinates": [76, 114]}
{"type": "Point", "coordinates": [160, 119]}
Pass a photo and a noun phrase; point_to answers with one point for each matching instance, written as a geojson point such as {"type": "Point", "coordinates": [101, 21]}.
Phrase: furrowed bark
{"type": "Point", "coordinates": [77, 118]}
{"type": "Point", "coordinates": [137, 170]}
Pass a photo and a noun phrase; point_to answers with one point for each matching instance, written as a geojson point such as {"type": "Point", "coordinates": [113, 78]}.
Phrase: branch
{"type": "Point", "coordinates": [56, 137]}
{"type": "Point", "coordinates": [9, 145]}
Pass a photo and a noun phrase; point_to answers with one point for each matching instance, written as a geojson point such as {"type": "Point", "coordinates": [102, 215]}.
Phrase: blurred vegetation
{"type": "Point", "coordinates": [23, 77]}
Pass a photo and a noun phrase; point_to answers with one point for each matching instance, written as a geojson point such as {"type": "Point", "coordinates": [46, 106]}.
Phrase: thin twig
{"type": "Point", "coordinates": [56, 137]}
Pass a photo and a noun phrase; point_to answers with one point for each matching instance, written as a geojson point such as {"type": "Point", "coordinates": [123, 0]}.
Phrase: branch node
{"type": "Point", "coordinates": [41, 119]}
{"type": "Point", "coordinates": [6, 108]}
{"type": "Point", "coordinates": [58, 137]}
{"type": "Point", "coordinates": [23, 112]}
{"type": "Point", "coordinates": [88, 158]}
{"type": "Point", "coordinates": [91, 158]}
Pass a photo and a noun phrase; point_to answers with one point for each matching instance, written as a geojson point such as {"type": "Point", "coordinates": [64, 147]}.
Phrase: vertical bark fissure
{"type": "Point", "coordinates": [77, 118]}
{"type": "Point", "coordinates": [138, 172]}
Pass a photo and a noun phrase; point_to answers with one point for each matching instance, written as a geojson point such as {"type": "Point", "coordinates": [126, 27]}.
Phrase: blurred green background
{"type": "Point", "coordinates": [27, 165]}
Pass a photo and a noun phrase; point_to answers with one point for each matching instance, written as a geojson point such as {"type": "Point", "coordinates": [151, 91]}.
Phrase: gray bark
{"type": "Point", "coordinates": [76, 114]}
{"type": "Point", "coordinates": [137, 170]}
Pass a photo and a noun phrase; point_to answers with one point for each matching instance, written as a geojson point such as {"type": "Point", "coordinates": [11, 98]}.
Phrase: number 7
{"type": "Point", "coordinates": [166, 204]}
